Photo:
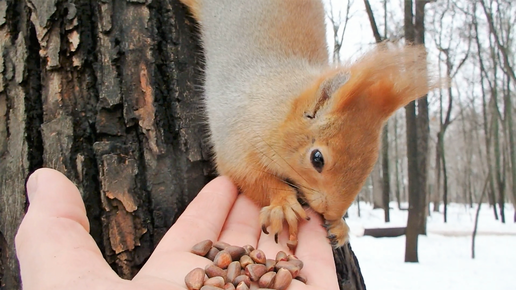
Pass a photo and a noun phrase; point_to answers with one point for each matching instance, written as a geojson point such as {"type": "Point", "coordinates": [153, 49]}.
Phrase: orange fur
{"type": "Point", "coordinates": [195, 8]}
{"type": "Point", "coordinates": [346, 128]}
{"type": "Point", "coordinates": [294, 33]}
{"type": "Point", "coordinates": [341, 113]}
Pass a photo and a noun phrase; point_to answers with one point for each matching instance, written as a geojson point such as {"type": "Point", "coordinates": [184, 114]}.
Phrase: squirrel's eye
{"type": "Point", "coordinates": [317, 160]}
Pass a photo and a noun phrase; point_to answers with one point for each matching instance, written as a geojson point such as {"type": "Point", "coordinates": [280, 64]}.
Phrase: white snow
{"type": "Point", "coordinates": [444, 254]}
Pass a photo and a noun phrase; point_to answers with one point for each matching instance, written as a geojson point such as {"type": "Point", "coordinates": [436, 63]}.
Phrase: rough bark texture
{"type": "Point", "coordinates": [107, 93]}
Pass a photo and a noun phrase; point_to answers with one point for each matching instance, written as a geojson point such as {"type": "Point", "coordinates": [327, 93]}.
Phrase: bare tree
{"type": "Point", "coordinates": [445, 118]}
{"type": "Point", "coordinates": [417, 138]}
{"type": "Point", "coordinates": [339, 25]}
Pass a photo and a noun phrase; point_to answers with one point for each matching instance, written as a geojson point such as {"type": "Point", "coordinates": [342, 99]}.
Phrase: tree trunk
{"type": "Point", "coordinates": [106, 92]}
{"type": "Point", "coordinates": [385, 179]}
{"type": "Point", "coordinates": [414, 197]}
{"type": "Point", "coordinates": [376, 177]}
{"type": "Point", "coordinates": [396, 160]}
{"type": "Point", "coordinates": [417, 139]}
{"type": "Point", "coordinates": [437, 191]}
{"type": "Point", "coordinates": [423, 126]}
{"type": "Point", "coordinates": [386, 190]}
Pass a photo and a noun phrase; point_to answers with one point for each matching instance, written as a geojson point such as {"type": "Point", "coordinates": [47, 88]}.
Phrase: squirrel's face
{"type": "Point", "coordinates": [332, 157]}
{"type": "Point", "coordinates": [331, 135]}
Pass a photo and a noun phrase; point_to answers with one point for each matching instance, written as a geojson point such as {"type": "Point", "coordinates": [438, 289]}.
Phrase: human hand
{"type": "Point", "coordinates": [56, 251]}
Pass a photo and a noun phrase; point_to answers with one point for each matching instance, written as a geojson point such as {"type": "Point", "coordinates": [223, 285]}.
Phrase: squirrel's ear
{"type": "Point", "coordinates": [325, 91]}
{"type": "Point", "coordinates": [385, 80]}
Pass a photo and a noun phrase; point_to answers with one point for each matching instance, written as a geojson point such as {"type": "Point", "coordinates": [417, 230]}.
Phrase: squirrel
{"type": "Point", "coordinates": [286, 126]}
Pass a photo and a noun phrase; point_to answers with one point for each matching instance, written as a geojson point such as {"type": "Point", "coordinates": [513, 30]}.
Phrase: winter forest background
{"type": "Point", "coordinates": [471, 154]}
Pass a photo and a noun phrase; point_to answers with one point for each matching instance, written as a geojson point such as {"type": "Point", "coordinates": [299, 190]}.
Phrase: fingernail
{"type": "Point", "coordinates": [32, 185]}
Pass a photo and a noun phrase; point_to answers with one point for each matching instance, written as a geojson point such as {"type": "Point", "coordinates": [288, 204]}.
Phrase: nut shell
{"type": "Point", "coordinates": [294, 260]}
{"type": "Point", "coordinates": [294, 270]}
{"type": "Point", "coordinates": [242, 278]}
{"type": "Point", "coordinates": [270, 264]}
{"type": "Point", "coordinates": [221, 245]}
{"type": "Point", "coordinates": [194, 279]}
{"type": "Point", "coordinates": [267, 280]}
{"type": "Point", "coordinates": [222, 260]}
{"type": "Point", "coordinates": [235, 252]}
{"type": "Point", "coordinates": [258, 256]}
{"type": "Point", "coordinates": [216, 281]}
{"type": "Point", "coordinates": [212, 253]}
{"type": "Point", "coordinates": [214, 271]}
{"type": "Point", "coordinates": [210, 287]}
{"type": "Point", "coordinates": [255, 271]}
{"type": "Point", "coordinates": [281, 256]}
{"type": "Point", "coordinates": [234, 271]}
{"type": "Point", "coordinates": [246, 260]}
{"type": "Point", "coordinates": [283, 279]}
{"type": "Point", "coordinates": [202, 248]}
{"type": "Point", "coordinates": [248, 249]}
{"type": "Point", "coordinates": [242, 286]}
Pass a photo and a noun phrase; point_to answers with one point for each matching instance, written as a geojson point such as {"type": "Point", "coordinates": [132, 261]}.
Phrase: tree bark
{"type": "Point", "coordinates": [417, 139]}
{"type": "Point", "coordinates": [485, 110]}
{"type": "Point", "coordinates": [423, 125]}
{"type": "Point", "coordinates": [386, 190]}
{"type": "Point", "coordinates": [412, 232]}
{"type": "Point", "coordinates": [107, 93]}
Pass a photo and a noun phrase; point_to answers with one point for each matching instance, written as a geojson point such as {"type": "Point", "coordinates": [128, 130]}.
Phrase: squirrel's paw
{"type": "Point", "coordinates": [338, 232]}
{"type": "Point", "coordinates": [285, 209]}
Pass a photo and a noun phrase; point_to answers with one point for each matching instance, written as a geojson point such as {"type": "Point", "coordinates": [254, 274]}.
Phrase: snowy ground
{"type": "Point", "coordinates": [444, 254]}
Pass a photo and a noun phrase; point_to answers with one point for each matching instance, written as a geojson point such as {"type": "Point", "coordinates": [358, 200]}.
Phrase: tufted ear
{"type": "Point", "coordinates": [386, 79]}
{"type": "Point", "coordinates": [325, 91]}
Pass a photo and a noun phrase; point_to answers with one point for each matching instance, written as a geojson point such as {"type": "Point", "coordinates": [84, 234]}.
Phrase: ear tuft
{"type": "Point", "coordinates": [328, 87]}
{"type": "Point", "coordinates": [387, 79]}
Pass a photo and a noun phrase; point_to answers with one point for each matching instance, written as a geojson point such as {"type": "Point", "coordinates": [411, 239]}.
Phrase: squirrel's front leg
{"type": "Point", "coordinates": [338, 232]}
{"type": "Point", "coordinates": [280, 204]}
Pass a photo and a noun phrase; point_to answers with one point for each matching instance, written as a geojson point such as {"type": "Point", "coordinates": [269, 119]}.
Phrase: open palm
{"type": "Point", "coordinates": [56, 251]}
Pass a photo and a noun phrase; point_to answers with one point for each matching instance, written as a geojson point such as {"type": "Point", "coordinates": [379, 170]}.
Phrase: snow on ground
{"type": "Point", "coordinates": [444, 254]}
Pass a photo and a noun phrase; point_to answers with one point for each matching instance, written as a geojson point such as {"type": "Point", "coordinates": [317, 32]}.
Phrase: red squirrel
{"type": "Point", "coordinates": [286, 126]}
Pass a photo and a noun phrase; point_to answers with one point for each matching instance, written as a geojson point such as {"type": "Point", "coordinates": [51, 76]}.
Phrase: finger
{"type": "Point", "coordinates": [53, 241]}
{"type": "Point", "coordinates": [203, 219]}
{"type": "Point", "coordinates": [270, 246]}
{"type": "Point", "coordinates": [316, 252]}
{"type": "Point", "coordinates": [242, 225]}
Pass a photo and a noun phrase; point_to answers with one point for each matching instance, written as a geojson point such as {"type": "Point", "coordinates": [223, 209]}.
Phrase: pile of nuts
{"type": "Point", "coordinates": [242, 268]}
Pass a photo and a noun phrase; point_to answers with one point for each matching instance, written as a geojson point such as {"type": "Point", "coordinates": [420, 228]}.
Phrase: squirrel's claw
{"type": "Point", "coordinates": [338, 232]}
{"type": "Point", "coordinates": [272, 217]}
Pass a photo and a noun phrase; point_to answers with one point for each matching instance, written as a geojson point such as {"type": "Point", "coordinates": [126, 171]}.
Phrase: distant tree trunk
{"type": "Point", "coordinates": [504, 43]}
{"type": "Point", "coordinates": [423, 125]}
{"type": "Point", "coordinates": [386, 190]}
{"type": "Point", "coordinates": [474, 234]}
{"type": "Point", "coordinates": [376, 177]}
{"type": "Point", "coordinates": [385, 179]}
{"type": "Point", "coordinates": [396, 161]}
{"type": "Point", "coordinates": [485, 111]}
{"type": "Point", "coordinates": [414, 197]}
{"type": "Point", "coordinates": [437, 191]}
{"type": "Point", "coordinates": [495, 121]}
{"type": "Point", "coordinates": [443, 125]}
{"type": "Point", "coordinates": [106, 92]}
{"type": "Point", "coordinates": [509, 131]}
{"type": "Point", "coordinates": [417, 140]}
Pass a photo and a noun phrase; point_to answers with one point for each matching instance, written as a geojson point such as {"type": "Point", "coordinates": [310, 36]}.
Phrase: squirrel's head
{"type": "Point", "coordinates": [333, 130]}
